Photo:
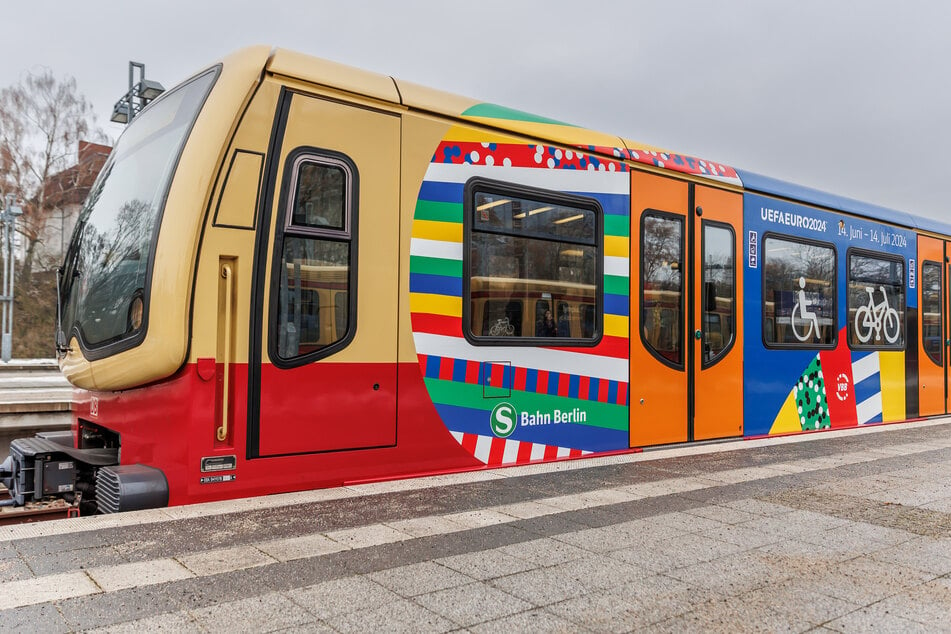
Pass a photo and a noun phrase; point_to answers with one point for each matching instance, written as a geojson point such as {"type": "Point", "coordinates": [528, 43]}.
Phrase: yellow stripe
{"type": "Point", "coordinates": [435, 230]}
{"type": "Point", "coordinates": [467, 134]}
{"type": "Point", "coordinates": [616, 326]}
{"type": "Point", "coordinates": [435, 304]}
{"type": "Point", "coordinates": [787, 420]}
{"type": "Point", "coordinates": [617, 246]}
{"type": "Point", "coordinates": [892, 372]}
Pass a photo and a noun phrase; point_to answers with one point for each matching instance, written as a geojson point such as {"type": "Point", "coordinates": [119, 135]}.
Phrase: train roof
{"type": "Point", "coordinates": [382, 87]}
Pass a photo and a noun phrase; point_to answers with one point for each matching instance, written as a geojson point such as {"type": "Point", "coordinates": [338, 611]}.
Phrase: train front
{"type": "Point", "coordinates": [124, 297]}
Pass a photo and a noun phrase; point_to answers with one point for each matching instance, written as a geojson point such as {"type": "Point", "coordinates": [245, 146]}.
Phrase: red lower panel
{"type": "Point", "coordinates": [172, 426]}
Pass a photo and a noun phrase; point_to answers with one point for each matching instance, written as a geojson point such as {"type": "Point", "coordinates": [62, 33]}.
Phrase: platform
{"type": "Point", "coordinates": [841, 531]}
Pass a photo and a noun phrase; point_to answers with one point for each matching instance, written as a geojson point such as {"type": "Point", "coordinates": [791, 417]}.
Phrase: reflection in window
{"type": "Point", "coordinates": [309, 317]}
{"type": "Point", "coordinates": [315, 277]}
{"type": "Point", "coordinates": [932, 336]}
{"type": "Point", "coordinates": [662, 292]}
{"type": "Point", "coordinates": [718, 292]}
{"type": "Point", "coordinates": [876, 302]}
{"type": "Point", "coordinates": [798, 293]}
{"type": "Point", "coordinates": [533, 266]}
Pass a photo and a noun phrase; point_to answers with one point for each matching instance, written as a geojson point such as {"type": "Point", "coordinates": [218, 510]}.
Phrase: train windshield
{"type": "Point", "coordinates": [104, 281]}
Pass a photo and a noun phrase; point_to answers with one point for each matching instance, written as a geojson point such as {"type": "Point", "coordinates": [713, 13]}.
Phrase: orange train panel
{"type": "Point", "coordinates": [719, 388]}
{"type": "Point", "coordinates": [931, 376]}
{"type": "Point", "coordinates": [658, 392]}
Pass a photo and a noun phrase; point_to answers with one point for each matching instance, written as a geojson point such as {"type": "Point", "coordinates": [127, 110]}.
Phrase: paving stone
{"type": "Point", "coordinates": [14, 569]}
{"type": "Point", "coordinates": [472, 604]}
{"type": "Point", "coordinates": [731, 615]}
{"type": "Point", "coordinates": [487, 564]}
{"type": "Point", "coordinates": [421, 578]}
{"type": "Point", "coordinates": [545, 552]}
{"type": "Point", "coordinates": [181, 621]}
{"type": "Point", "coordinates": [34, 618]}
{"type": "Point", "coordinates": [923, 553]}
{"type": "Point", "coordinates": [397, 616]}
{"type": "Point", "coordinates": [266, 613]}
{"type": "Point", "coordinates": [875, 618]}
{"type": "Point", "coordinates": [341, 596]}
{"type": "Point", "coordinates": [722, 514]}
{"type": "Point", "coordinates": [537, 620]}
{"type": "Point", "coordinates": [677, 552]}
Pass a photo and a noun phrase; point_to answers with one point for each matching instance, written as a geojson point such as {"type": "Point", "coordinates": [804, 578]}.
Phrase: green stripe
{"type": "Point", "coordinates": [435, 266]}
{"type": "Point", "coordinates": [492, 111]}
{"type": "Point", "coordinates": [614, 285]}
{"type": "Point", "coordinates": [441, 212]}
{"type": "Point", "coordinates": [617, 226]}
{"type": "Point", "coordinates": [605, 415]}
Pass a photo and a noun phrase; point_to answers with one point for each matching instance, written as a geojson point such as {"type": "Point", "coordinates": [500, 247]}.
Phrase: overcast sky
{"type": "Point", "coordinates": [847, 96]}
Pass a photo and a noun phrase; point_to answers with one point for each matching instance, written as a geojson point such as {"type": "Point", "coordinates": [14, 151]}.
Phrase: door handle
{"type": "Point", "coordinates": [698, 335]}
{"type": "Point", "coordinates": [228, 276]}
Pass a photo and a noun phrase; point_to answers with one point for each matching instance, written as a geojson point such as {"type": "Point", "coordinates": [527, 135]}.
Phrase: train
{"type": "Point", "coordinates": [293, 274]}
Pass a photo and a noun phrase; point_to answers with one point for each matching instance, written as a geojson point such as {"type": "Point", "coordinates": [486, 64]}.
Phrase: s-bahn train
{"type": "Point", "coordinates": [292, 274]}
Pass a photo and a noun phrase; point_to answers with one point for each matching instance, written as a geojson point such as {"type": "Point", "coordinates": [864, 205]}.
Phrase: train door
{"type": "Point", "coordinates": [932, 340]}
{"type": "Point", "coordinates": [686, 326]}
{"type": "Point", "coordinates": [323, 368]}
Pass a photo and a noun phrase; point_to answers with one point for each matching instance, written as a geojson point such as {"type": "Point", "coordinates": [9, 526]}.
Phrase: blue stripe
{"type": "Point", "coordinates": [432, 367]}
{"type": "Point", "coordinates": [459, 370]}
{"type": "Point", "coordinates": [875, 419]}
{"type": "Point", "coordinates": [868, 388]}
{"type": "Point", "coordinates": [574, 385]}
{"type": "Point", "coordinates": [508, 377]}
{"type": "Point", "coordinates": [553, 382]}
{"type": "Point", "coordinates": [435, 191]}
{"type": "Point", "coordinates": [435, 284]}
{"type": "Point", "coordinates": [617, 305]}
{"type": "Point", "coordinates": [612, 204]}
{"type": "Point", "coordinates": [612, 392]}
{"type": "Point", "coordinates": [594, 386]}
{"type": "Point", "coordinates": [531, 380]}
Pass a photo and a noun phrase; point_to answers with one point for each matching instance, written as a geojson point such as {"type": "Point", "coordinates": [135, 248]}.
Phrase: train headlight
{"type": "Point", "coordinates": [136, 310]}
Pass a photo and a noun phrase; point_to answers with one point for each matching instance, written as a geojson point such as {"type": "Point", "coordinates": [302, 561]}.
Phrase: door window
{"type": "Point", "coordinates": [662, 286]}
{"type": "Point", "coordinates": [719, 296]}
{"type": "Point", "coordinates": [932, 336]}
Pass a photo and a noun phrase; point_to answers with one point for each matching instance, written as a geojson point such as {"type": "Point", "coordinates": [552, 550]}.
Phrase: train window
{"type": "Point", "coordinates": [313, 310]}
{"type": "Point", "coordinates": [531, 255]}
{"type": "Point", "coordinates": [719, 296]}
{"type": "Point", "coordinates": [932, 336]}
{"type": "Point", "coordinates": [799, 293]}
{"type": "Point", "coordinates": [876, 301]}
{"type": "Point", "coordinates": [662, 286]}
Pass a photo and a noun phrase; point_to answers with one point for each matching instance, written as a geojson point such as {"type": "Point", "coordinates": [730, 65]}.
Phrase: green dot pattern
{"type": "Point", "coordinates": [810, 395]}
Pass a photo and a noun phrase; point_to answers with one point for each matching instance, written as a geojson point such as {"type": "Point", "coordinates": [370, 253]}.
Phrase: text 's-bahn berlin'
{"type": "Point", "coordinates": [292, 274]}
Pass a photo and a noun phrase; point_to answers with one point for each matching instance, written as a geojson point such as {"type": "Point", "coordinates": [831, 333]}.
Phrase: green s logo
{"type": "Point", "coordinates": [502, 420]}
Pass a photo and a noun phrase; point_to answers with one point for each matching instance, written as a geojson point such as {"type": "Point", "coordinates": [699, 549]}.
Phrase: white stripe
{"type": "Point", "coordinates": [620, 267]}
{"type": "Point", "coordinates": [869, 408]}
{"type": "Point", "coordinates": [510, 455]}
{"type": "Point", "coordinates": [542, 358]}
{"type": "Point", "coordinates": [435, 249]}
{"type": "Point", "coordinates": [483, 448]}
{"type": "Point", "coordinates": [581, 181]}
{"type": "Point", "coordinates": [538, 451]}
{"type": "Point", "coordinates": [865, 367]}
{"type": "Point", "coordinates": [563, 452]}
{"type": "Point", "coordinates": [458, 435]}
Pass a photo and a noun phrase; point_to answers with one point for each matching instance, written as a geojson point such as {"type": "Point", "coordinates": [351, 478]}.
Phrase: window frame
{"type": "Point", "coordinates": [642, 309]}
{"type": "Point", "coordinates": [835, 294]}
{"type": "Point", "coordinates": [286, 228]}
{"type": "Point", "coordinates": [704, 363]}
{"type": "Point", "coordinates": [921, 311]}
{"type": "Point", "coordinates": [887, 257]}
{"type": "Point", "coordinates": [480, 184]}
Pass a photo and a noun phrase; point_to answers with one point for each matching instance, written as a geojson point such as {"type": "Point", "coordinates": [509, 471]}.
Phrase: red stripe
{"type": "Point", "coordinates": [574, 453]}
{"type": "Point", "coordinates": [563, 381]}
{"type": "Point", "coordinates": [497, 451]}
{"type": "Point", "coordinates": [524, 452]}
{"type": "Point", "coordinates": [521, 377]}
{"type": "Point", "coordinates": [583, 386]}
{"type": "Point", "coordinates": [614, 347]}
{"type": "Point", "coordinates": [603, 385]}
{"type": "Point", "coordinates": [437, 324]}
{"type": "Point", "coordinates": [445, 369]}
{"type": "Point", "coordinates": [622, 393]}
{"type": "Point", "coordinates": [469, 442]}
{"type": "Point", "coordinates": [542, 386]}
{"type": "Point", "coordinates": [472, 372]}
{"type": "Point", "coordinates": [498, 376]}
{"type": "Point", "coordinates": [551, 452]}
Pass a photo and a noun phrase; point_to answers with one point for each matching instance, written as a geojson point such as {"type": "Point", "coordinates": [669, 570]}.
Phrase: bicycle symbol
{"type": "Point", "coordinates": [502, 328]}
{"type": "Point", "coordinates": [806, 317]}
{"type": "Point", "coordinates": [873, 318]}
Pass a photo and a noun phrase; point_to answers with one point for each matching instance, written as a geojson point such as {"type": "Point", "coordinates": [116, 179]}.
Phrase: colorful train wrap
{"type": "Point", "coordinates": [293, 274]}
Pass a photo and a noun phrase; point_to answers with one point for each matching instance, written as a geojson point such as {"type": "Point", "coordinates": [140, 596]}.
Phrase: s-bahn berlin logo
{"type": "Point", "coordinates": [503, 420]}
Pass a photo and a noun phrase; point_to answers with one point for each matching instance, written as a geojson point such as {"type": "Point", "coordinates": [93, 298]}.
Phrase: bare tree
{"type": "Point", "coordinates": [42, 120]}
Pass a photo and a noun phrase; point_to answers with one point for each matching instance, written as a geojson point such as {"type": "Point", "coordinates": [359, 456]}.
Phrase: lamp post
{"type": "Point", "coordinates": [139, 95]}
{"type": "Point", "coordinates": [8, 223]}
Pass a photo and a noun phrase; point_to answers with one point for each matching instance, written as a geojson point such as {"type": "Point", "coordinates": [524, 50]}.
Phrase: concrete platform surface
{"type": "Point", "coordinates": [837, 531]}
